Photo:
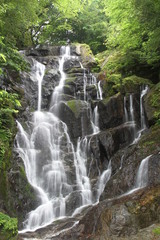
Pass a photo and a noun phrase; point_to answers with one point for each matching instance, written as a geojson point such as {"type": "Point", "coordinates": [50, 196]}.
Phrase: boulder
{"type": "Point", "coordinates": [111, 112]}
{"type": "Point", "coordinates": [75, 113]}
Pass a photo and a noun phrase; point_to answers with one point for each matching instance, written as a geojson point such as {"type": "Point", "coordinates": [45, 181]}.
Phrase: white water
{"type": "Point", "coordinates": [142, 175]}
{"type": "Point", "coordinates": [142, 115]}
{"type": "Point", "coordinates": [125, 111]}
{"type": "Point", "coordinates": [43, 149]}
{"type": "Point", "coordinates": [100, 91]}
{"type": "Point", "coordinates": [83, 180]}
{"type": "Point", "coordinates": [37, 74]}
{"type": "Point", "coordinates": [85, 85]}
{"type": "Point", "coordinates": [65, 55]}
{"type": "Point", "coordinates": [96, 120]}
{"type": "Point", "coordinates": [103, 179]}
{"type": "Point", "coordinates": [143, 93]}
{"type": "Point", "coordinates": [42, 156]}
{"type": "Point", "coordinates": [131, 108]}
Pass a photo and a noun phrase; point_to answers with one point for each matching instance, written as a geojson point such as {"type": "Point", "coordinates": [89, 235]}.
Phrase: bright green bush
{"type": "Point", "coordinates": [9, 105]}
{"type": "Point", "coordinates": [8, 226]}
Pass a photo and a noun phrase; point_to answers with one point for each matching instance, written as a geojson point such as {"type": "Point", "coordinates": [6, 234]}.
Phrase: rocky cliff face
{"type": "Point", "coordinates": [115, 215]}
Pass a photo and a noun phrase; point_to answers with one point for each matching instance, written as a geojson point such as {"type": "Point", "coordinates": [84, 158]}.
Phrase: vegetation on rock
{"type": "Point", "coordinates": [8, 226]}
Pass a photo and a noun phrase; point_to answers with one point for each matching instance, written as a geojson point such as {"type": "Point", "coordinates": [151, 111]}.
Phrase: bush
{"type": "Point", "coordinates": [8, 226]}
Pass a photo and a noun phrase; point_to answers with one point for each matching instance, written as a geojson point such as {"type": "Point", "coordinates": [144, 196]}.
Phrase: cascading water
{"type": "Point", "coordinates": [95, 120]}
{"type": "Point", "coordinates": [43, 148]}
{"type": "Point", "coordinates": [126, 118]}
{"type": "Point", "coordinates": [43, 156]}
{"type": "Point", "coordinates": [143, 93]}
{"type": "Point", "coordinates": [100, 94]}
{"type": "Point", "coordinates": [131, 108]}
{"type": "Point", "coordinates": [103, 179]}
{"type": "Point", "coordinates": [131, 117]}
{"type": "Point", "coordinates": [56, 96]}
{"type": "Point", "coordinates": [141, 177]}
{"type": "Point", "coordinates": [142, 174]}
{"type": "Point", "coordinates": [83, 180]}
{"type": "Point", "coordinates": [37, 74]}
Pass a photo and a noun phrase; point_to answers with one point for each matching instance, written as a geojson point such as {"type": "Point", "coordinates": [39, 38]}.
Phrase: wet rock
{"type": "Point", "coordinates": [75, 114]}
{"type": "Point", "coordinates": [133, 83]}
{"type": "Point", "coordinates": [71, 64]}
{"type": "Point", "coordinates": [43, 50]}
{"type": "Point", "coordinates": [116, 219]}
{"type": "Point", "coordinates": [106, 143]}
{"type": "Point", "coordinates": [152, 100]}
{"type": "Point", "coordinates": [111, 112]}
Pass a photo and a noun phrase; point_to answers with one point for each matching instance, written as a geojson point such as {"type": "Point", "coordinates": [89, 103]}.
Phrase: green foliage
{"type": "Point", "coordinates": [156, 231]}
{"type": "Point", "coordinates": [9, 105]}
{"type": "Point", "coordinates": [16, 17]}
{"type": "Point", "coordinates": [10, 57]}
{"type": "Point", "coordinates": [155, 102]}
{"type": "Point", "coordinates": [134, 29]}
{"type": "Point", "coordinates": [8, 226]}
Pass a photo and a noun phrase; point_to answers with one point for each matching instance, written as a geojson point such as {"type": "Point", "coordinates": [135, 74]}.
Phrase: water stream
{"type": "Point", "coordinates": [131, 115]}
{"type": "Point", "coordinates": [44, 147]}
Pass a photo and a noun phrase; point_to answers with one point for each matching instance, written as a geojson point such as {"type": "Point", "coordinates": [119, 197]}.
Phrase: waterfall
{"type": "Point", "coordinates": [56, 96]}
{"type": "Point", "coordinates": [43, 154]}
{"type": "Point", "coordinates": [95, 120]}
{"type": "Point", "coordinates": [125, 110]}
{"type": "Point", "coordinates": [142, 174]}
{"type": "Point", "coordinates": [99, 91]}
{"type": "Point", "coordinates": [46, 149]}
{"type": "Point", "coordinates": [131, 108]}
{"type": "Point", "coordinates": [85, 85]}
{"type": "Point", "coordinates": [37, 74]}
{"type": "Point", "coordinates": [141, 177]}
{"type": "Point", "coordinates": [103, 179]}
{"type": "Point", "coordinates": [83, 180]}
{"type": "Point", "coordinates": [143, 93]}
{"type": "Point", "coordinates": [142, 115]}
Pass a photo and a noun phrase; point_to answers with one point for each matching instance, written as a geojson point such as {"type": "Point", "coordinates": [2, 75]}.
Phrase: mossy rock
{"type": "Point", "coordinates": [70, 81]}
{"type": "Point", "coordinates": [112, 85]}
{"type": "Point", "coordinates": [152, 105]}
{"type": "Point", "coordinates": [132, 83]}
{"type": "Point", "coordinates": [68, 89]}
{"type": "Point", "coordinates": [76, 106]}
{"type": "Point", "coordinates": [76, 70]}
{"type": "Point", "coordinates": [87, 57]}
{"type": "Point", "coordinates": [150, 142]}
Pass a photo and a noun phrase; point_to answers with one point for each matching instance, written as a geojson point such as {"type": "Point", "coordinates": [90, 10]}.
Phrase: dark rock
{"type": "Point", "coordinates": [105, 144]}
{"type": "Point", "coordinates": [44, 51]}
{"type": "Point", "coordinates": [75, 114]}
{"type": "Point", "coordinates": [71, 64]}
{"type": "Point", "coordinates": [111, 112]}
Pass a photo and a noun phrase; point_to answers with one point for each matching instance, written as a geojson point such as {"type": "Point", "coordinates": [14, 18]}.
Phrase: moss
{"type": "Point", "coordinates": [112, 85]}
{"type": "Point", "coordinates": [133, 83]}
{"type": "Point", "coordinates": [75, 70]}
{"type": "Point", "coordinates": [75, 106]}
{"type": "Point", "coordinates": [70, 81]}
{"type": "Point", "coordinates": [156, 231]}
{"type": "Point", "coordinates": [154, 100]}
{"type": "Point", "coordinates": [86, 49]}
{"type": "Point", "coordinates": [152, 144]}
